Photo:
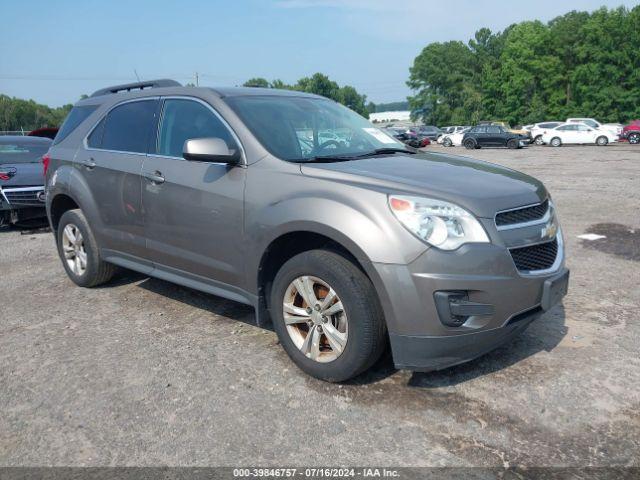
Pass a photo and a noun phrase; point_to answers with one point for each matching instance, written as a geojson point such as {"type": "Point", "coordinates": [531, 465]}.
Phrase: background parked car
{"type": "Point", "coordinates": [21, 178]}
{"type": "Point", "coordinates": [454, 139]}
{"type": "Point", "coordinates": [451, 131]}
{"type": "Point", "coordinates": [631, 132]}
{"type": "Point", "coordinates": [493, 136]}
{"type": "Point", "coordinates": [408, 137]}
{"type": "Point", "coordinates": [578, 133]}
{"type": "Point", "coordinates": [46, 132]}
{"type": "Point", "coordinates": [430, 131]}
{"type": "Point", "coordinates": [593, 123]}
{"type": "Point", "coordinates": [520, 131]}
{"type": "Point", "coordinates": [538, 129]}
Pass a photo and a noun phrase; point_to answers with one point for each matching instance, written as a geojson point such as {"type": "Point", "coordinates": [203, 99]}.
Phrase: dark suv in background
{"type": "Point", "coordinates": [493, 136]}
{"type": "Point", "coordinates": [299, 207]}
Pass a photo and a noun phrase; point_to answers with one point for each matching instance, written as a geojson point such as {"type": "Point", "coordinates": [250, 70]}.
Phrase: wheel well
{"type": "Point", "coordinates": [286, 247]}
{"type": "Point", "coordinates": [59, 205]}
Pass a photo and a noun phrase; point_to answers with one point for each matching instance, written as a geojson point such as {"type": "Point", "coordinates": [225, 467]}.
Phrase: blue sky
{"type": "Point", "coordinates": [54, 51]}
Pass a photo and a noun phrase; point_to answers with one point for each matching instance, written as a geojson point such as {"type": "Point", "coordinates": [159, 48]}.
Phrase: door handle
{"type": "Point", "coordinates": [90, 164]}
{"type": "Point", "coordinates": [154, 177]}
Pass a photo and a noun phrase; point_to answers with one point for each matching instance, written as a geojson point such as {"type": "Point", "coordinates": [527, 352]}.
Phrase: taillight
{"type": "Point", "coordinates": [46, 158]}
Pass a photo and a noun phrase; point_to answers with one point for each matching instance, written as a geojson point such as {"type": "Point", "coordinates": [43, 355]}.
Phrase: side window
{"type": "Point", "coordinates": [127, 126]}
{"type": "Point", "coordinates": [478, 130]}
{"type": "Point", "coordinates": [76, 116]}
{"type": "Point", "coordinates": [95, 138]}
{"type": "Point", "coordinates": [564, 128]}
{"type": "Point", "coordinates": [494, 130]}
{"type": "Point", "coordinates": [185, 119]}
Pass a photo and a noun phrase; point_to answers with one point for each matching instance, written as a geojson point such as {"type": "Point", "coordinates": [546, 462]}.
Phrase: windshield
{"type": "Point", "coordinates": [299, 129]}
{"type": "Point", "coordinates": [16, 152]}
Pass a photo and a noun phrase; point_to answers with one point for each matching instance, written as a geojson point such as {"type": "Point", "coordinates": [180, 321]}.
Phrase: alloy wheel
{"type": "Point", "coordinates": [315, 319]}
{"type": "Point", "coordinates": [634, 138]}
{"type": "Point", "coordinates": [73, 249]}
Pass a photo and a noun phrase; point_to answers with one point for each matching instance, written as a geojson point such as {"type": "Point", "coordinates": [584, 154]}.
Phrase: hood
{"type": "Point", "coordinates": [21, 174]}
{"type": "Point", "coordinates": [483, 188]}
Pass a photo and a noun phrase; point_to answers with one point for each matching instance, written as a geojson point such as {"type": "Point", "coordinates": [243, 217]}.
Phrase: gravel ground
{"type": "Point", "coordinates": [143, 372]}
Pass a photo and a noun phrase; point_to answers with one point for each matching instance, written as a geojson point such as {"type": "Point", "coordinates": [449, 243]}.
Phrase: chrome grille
{"type": "Point", "coordinates": [23, 195]}
{"type": "Point", "coordinates": [535, 257]}
{"type": "Point", "coordinates": [522, 215]}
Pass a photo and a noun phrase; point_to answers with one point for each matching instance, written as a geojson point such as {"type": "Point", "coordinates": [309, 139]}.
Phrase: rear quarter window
{"type": "Point", "coordinates": [76, 116]}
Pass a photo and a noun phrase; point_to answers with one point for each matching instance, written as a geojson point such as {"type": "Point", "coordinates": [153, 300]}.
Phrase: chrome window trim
{"type": "Point", "coordinates": [86, 137]}
{"type": "Point", "coordinates": [545, 218]}
{"type": "Point", "coordinates": [224, 122]}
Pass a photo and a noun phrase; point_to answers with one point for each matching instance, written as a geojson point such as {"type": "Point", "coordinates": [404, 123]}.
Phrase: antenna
{"type": "Point", "coordinates": [136, 72]}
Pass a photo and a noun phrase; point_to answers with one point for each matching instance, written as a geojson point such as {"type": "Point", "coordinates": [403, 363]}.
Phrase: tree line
{"type": "Point", "coordinates": [319, 84]}
{"type": "Point", "coordinates": [26, 115]}
{"type": "Point", "coordinates": [578, 64]}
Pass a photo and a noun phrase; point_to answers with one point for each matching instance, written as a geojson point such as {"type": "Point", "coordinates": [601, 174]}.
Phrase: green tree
{"type": "Point", "coordinates": [578, 64]}
{"type": "Point", "coordinates": [257, 82]}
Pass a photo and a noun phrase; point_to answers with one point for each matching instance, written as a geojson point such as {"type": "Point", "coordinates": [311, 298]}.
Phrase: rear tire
{"type": "Point", "coordinates": [538, 140]}
{"type": "Point", "coordinates": [555, 142]}
{"type": "Point", "coordinates": [469, 144]}
{"type": "Point", "coordinates": [447, 142]}
{"type": "Point", "coordinates": [360, 316]}
{"type": "Point", "coordinates": [79, 251]}
{"type": "Point", "coordinates": [634, 138]}
{"type": "Point", "coordinates": [602, 141]}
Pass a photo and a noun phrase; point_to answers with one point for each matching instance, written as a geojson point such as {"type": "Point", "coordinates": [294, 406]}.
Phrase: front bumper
{"type": "Point", "coordinates": [487, 276]}
{"type": "Point", "coordinates": [18, 204]}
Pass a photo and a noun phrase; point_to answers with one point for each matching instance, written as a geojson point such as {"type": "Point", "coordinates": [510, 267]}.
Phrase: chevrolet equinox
{"type": "Point", "coordinates": [291, 203]}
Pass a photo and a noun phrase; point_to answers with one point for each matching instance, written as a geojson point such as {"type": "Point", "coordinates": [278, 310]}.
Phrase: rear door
{"type": "Point", "coordinates": [193, 211]}
{"type": "Point", "coordinates": [495, 136]}
{"type": "Point", "coordinates": [481, 136]}
{"type": "Point", "coordinates": [111, 163]}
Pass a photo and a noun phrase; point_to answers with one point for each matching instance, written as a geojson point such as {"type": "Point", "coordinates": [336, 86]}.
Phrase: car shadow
{"type": "Point", "coordinates": [544, 334]}
{"type": "Point", "coordinates": [200, 300]}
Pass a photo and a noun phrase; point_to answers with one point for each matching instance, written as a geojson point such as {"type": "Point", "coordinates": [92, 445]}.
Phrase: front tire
{"type": "Point", "coordinates": [634, 138]}
{"type": "Point", "coordinates": [555, 142]}
{"type": "Point", "coordinates": [447, 142]}
{"type": "Point", "coordinates": [79, 251]}
{"type": "Point", "coordinates": [513, 144]}
{"type": "Point", "coordinates": [538, 140]}
{"type": "Point", "coordinates": [602, 141]}
{"type": "Point", "coordinates": [469, 144]}
{"type": "Point", "coordinates": [327, 315]}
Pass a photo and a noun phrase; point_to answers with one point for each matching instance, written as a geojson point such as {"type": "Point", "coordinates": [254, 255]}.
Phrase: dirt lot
{"type": "Point", "coordinates": [143, 372]}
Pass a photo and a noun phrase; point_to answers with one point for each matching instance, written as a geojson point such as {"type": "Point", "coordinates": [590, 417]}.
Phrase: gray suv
{"type": "Point", "coordinates": [289, 202]}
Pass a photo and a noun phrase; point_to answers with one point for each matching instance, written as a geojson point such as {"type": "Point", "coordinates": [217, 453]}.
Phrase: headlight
{"type": "Point", "coordinates": [441, 224]}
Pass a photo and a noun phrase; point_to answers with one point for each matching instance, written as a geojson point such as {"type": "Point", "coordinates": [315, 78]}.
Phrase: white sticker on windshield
{"type": "Point", "coordinates": [380, 136]}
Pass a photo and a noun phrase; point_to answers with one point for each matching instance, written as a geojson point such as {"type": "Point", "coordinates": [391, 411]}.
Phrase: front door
{"type": "Point", "coordinates": [193, 211]}
{"type": "Point", "coordinates": [111, 165]}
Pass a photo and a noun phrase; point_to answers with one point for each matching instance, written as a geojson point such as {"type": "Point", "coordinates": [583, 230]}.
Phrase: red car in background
{"type": "Point", "coordinates": [632, 132]}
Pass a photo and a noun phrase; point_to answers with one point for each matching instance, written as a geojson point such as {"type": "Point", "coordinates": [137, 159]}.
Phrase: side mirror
{"type": "Point", "coordinates": [210, 150]}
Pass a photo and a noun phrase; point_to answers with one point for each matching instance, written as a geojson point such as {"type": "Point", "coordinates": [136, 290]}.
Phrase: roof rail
{"type": "Point", "coordinates": [136, 86]}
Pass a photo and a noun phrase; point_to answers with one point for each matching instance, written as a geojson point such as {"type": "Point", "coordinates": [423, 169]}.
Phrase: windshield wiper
{"type": "Point", "coordinates": [346, 158]}
{"type": "Point", "coordinates": [383, 151]}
